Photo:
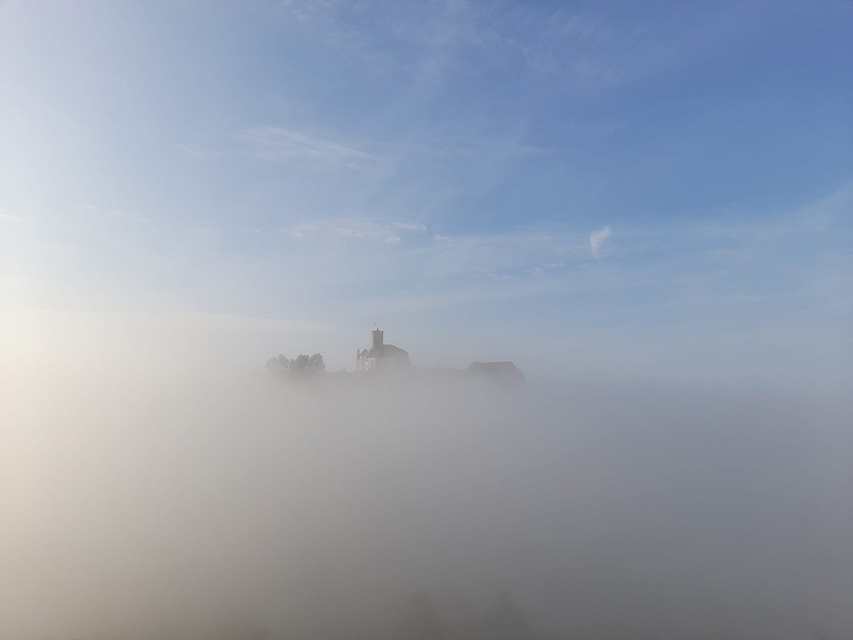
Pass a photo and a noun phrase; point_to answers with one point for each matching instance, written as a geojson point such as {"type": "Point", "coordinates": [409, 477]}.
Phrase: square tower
{"type": "Point", "coordinates": [378, 340]}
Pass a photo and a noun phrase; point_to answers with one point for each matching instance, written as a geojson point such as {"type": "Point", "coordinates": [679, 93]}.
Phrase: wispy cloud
{"type": "Point", "coordinates": [119, 214]}
{"type": "Point", "coordinates": [15, 220]}
{"type": "Point", "coordinates": [198, 152]}
{"type": "Point", "coordinates": [410, 226]}
{"type": "Point", "coordinates": [513, 252]}
{"type": "Point", "coordinates": [62, 246]}
{"type": "Point", "coordinates": [597, 240]}
{"type": "Point", "coordinates": [282, 144]}
{"type": "Point", "coordinates": [387, 231]}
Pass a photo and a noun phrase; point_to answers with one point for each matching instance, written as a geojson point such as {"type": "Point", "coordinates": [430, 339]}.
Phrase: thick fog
{"type": "Point", "coordinates": [150, 490]}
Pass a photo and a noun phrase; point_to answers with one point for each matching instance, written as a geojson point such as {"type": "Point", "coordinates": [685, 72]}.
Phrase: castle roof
{"type": "Point", "coordinates": [385, 351]}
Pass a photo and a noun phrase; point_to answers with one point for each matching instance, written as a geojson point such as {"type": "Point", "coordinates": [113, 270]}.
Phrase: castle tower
{"type": "Point", "coordinates": [378, 340]}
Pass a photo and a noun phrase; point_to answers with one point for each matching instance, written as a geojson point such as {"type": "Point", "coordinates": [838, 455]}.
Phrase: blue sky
{"type": "Point", "coordinates": [618, 186]}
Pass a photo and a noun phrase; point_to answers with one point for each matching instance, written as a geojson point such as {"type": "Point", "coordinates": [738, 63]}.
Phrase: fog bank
{"type": "Point", "coordinates": [172, 496]}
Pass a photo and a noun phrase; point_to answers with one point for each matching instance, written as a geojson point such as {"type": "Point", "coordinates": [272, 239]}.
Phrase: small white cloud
{"type": "Point", "coordinates": [597, 240]}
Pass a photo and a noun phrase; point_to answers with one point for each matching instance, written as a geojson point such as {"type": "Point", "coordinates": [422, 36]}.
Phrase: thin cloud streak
{"type": "Point", "coordinates": [287, 145]}
{"type": "Point", "coordinates": [389, 231]}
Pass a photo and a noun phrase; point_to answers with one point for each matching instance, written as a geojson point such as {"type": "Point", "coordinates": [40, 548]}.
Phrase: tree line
{"type": "Point", "coordinates": [301, 366]}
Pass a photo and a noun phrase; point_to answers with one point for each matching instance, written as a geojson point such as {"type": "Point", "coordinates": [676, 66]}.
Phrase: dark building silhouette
{"type": "Point", "coordinates": [381, 357]}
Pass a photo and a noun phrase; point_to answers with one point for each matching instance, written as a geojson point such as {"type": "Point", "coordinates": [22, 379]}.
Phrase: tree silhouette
{"type": "Point", "coordinates": [279, 364]}
{"type": "Point", "coordinates": [301, 365]}
{"type": "Point", "coordinates": [316, 364]}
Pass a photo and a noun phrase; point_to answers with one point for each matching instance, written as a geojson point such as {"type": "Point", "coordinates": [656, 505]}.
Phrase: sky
{"type": "Point", "coordinates": [661, 188]}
